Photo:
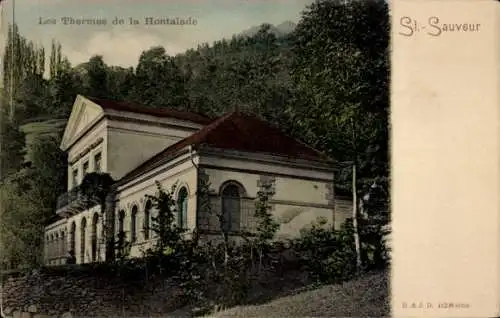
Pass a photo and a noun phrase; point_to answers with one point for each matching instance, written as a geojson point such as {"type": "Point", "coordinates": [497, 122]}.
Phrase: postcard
{"type": "Point", "coordinates": [444, 154]}
{"type": "Point", "coordinates": [220, 158]}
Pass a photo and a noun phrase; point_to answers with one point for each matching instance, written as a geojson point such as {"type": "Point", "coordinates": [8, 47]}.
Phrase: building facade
{"type": "Point", "coordinates": [234, 155]}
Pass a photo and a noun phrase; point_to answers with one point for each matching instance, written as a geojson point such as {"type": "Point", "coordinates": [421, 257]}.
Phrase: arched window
{"type": "Point", "coordinates": [231, 207]}
{"type": "Point", "coordinates": [147, 216]}
{"type": "Point", "coordinates": [121, 219]}
{"type": "Point", "coordinates": [182, 201]}
{"type": "Point", "coordinates": [95, 220]}
{"type": "Point", "coordinates": [57, 245]}
{"type": "Point", "coordinates": [121, 229]}
{"type": "Point", "coordinates": [72, 238]}
{"type": "Point", "coordinates": [63, 244]}
{"type": "Point", "coordinates": [133, 223]}
{"type": "Point", "coordinates": [82, 240]}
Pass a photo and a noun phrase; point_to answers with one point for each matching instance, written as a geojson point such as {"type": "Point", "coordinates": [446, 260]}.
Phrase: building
{"type": "Point", "coordinates": [235, 154]}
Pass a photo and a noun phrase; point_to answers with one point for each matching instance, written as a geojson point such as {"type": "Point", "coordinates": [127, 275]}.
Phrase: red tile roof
{"type": "Point", "coordinates": [158, 112]}
{"type": "Point", "coordinates": [237, 131]}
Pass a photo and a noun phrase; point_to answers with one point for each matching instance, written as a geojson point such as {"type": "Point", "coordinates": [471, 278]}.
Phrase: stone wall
{"type": "Point", "coordinates": [63, 292]}
{"type": "Point", "coordinates": [105, 291]}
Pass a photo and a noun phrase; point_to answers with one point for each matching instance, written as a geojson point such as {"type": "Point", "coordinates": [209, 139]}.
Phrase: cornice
{"type": "Point", "coordinates": [172, 125]}
{"type": "Point", "coordinates": [323, 166]}
{"type": "Point", "coordinates": [87, 150]}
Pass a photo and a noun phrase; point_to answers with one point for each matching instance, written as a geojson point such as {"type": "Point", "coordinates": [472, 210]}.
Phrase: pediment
{"type": "Point", "coordinates": [83, 115]}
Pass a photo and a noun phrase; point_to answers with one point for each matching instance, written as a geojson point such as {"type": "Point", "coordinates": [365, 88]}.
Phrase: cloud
{"type": "Point", "coordinates": [118, 48]}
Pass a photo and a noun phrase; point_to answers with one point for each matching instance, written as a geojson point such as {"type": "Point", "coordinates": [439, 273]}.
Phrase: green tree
{"type": "Point", "coordinates": [164, 223]}
{"type": "Point", "coordinates": [12, 146]}
{"type": "Point", "coordinates": [55, 59]}
{"type": "Point", "coordinates": [97, 72]}
{"type": "Point", "coordinates": [158, 81]}
{"type": "Point", "coordinates": [120, 82]}
{"type": "Point", "coordinates": [64, 86]}
{"type": "Point", "coordinates": [22, 227]}
{"type": "Point", "coordinates": [266, 224]}
{"type": "Point", "coordinates": [29, 198]}
{"type": "Point", "coordinates": [341, 74]}
{"type": "Point", "coordinates": [49, 171]}
{"type": "Point", "coordinates": [23, 76]}
{"type": "Point", "coordinates": [248, 72]}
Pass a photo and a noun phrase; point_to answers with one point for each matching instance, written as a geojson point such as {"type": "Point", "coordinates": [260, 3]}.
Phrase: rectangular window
{"type": "Point", "coordinates": [85, 168]}
{"type": "Point", "coordinates": [75, 177]}
{"type": "Point", "coordinates": [97, 162]}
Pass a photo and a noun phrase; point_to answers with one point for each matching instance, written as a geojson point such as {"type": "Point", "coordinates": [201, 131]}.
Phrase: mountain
{"type": "Point", "coordinates": [279, 30]}
{"type": "Point", "coordinates": [286, 27]}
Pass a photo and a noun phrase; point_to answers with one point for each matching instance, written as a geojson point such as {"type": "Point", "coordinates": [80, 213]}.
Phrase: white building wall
{"type": "Point", "coordinates": [129, 149]}
{"type": "Point", "coordinates": [301, 195]}
{"type": "Point", "coordinates": [181, 172]}
{"type": "Point", "coordinates": [54, 249]}
{"type": "Point", "coordinates": [87, 234]}
{"type": "Point", "coordinates": [343, 207]}
{"type": "Point", "coordinates": [76, 162]}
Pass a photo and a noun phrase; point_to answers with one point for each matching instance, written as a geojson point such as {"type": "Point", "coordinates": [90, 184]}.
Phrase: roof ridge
{"type": "Point", "coordinates": [216, 123]}
{"type": "Point", "coordinates": [234, 130]}
{"type": "Point", "coordinates": [147, 109]}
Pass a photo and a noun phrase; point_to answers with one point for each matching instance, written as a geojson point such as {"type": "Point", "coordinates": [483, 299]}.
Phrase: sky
{"type": "Point", "coordinates": [122, 44]}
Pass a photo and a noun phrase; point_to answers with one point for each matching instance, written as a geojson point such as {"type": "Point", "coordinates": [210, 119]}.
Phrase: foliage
{"type": "Point", "coordinates": [97, 77]}
{"type": "Point", "coordinates": [207, 276]}
{"type": "Point", "coordinates": [28, 201]}
{"type": "Point", "coordinates": [12, 149]}
{"type": "Point", "coordinates": [22, 220]}
{"type": "Point", "coordinates": [341, 71]}
{"type": "Point", "coordinates": [374, 225]}
{"type": "Point", "coordinates": [158, 81]}
{"type": "Point", "coordinates": [329, 254]}
{"type": "Point", "coordinates": [22, 76]}
{"type": "Point", "coordinates": [164, 225]}
{"type": "Point", "coordinates": [122, 247]}
{"type": "Point", "coordinates": [48, 171]}
{"type": "Point", "coordinates": [95, 186]}
{"type": "Point", "coordinates": [205, 207]}
{"type": "Point", "coordinates": [266, 225]}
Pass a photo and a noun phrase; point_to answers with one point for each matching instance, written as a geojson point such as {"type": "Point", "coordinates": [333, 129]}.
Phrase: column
{"type": "Point", "coordinates": [70, 176]}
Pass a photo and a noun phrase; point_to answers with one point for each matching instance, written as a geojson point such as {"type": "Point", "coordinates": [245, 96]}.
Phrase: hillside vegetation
{"type": "Point", "coordinates": [93, 295]}
{"type": "Point", "coordinates": [363, 297]}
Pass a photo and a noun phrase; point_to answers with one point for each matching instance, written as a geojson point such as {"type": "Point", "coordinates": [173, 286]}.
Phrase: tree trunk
{"type": "Point", "coordinates": [355, 218]}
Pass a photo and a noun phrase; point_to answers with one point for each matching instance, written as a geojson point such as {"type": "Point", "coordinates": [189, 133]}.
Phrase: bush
{"type": "Point", "coordinates": [206, 277]}
{"type": "Point", "coordinates": [328, 254]}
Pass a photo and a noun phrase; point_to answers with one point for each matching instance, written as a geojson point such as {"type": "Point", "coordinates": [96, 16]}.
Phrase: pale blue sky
{"type": "Point", "coordinates": [122, 45]}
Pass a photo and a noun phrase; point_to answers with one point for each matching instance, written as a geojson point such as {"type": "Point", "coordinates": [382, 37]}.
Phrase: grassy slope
{"type": "Point", "coordinates": [365, 297]}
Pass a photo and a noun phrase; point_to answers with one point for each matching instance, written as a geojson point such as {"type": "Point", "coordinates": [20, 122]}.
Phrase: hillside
{"type": "Point", "coordinates": [279, 30]}
{"type": "Point", "coordinates": [365, 297]}
{"type": "Point", "coordinates": [33, 129]}
{"type": "Point", "coordinates": [98, 294]}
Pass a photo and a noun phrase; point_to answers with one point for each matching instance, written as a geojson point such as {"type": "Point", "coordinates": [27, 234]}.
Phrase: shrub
{"type": "Point", "coordinates": [328, 254]}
